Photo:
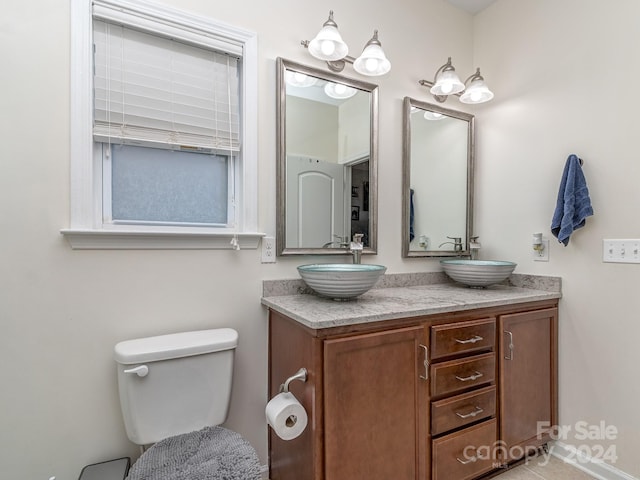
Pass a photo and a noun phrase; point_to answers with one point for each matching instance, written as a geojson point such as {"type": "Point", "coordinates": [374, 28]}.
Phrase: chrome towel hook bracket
{"type": "Point", "coordinates": [299, 375]}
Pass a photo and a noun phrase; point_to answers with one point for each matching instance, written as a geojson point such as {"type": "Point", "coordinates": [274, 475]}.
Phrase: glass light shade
{"type": "Point", "coordinates": [429, 115]}
{"type": "Point", "coordinates": [372, 62]}
{"type": "Point", "coordinates": [328, 44]}
{"type": "Point", "coordinates": [339, 90]}
{"type": "Point", "coordinates": [447, 83]}
{"type": "Point", "coordinates": [476, 92]}
{"type": "Point", "coordinates": [298, 79]}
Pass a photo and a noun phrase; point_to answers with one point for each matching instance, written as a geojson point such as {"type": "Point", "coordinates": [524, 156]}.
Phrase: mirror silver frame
{"type": "Point", "coordinates": [281, 249]}
{"type": "Point", "coordinates": [406, 178]}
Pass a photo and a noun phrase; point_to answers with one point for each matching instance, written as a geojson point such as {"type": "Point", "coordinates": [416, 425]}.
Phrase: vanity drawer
{"type": "Point", "coordinates": [462, 337]}
{"type": "Point", "coordinates": [463, 409]}
{"type": "Point", "coordinates": [459, 456]}
{"type": "Point", "coordinates": [461, 374]}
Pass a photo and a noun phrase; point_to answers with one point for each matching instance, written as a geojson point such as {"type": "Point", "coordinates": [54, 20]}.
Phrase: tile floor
{"type": "Point", "coordinates": [536, 469]}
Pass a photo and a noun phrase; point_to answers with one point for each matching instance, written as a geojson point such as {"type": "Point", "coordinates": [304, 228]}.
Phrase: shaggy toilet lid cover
{"type": "Point", "coordinates": [213, 453]}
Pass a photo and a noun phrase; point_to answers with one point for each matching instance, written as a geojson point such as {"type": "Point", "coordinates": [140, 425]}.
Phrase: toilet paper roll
{"type": "Point", "coordinates": [286, 416]}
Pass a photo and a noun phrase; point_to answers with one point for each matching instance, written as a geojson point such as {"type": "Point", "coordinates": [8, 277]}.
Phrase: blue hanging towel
{"type": "Point", "coordinates": [573, 205]}
{"type": "Point", "coordinates": [412, 234]}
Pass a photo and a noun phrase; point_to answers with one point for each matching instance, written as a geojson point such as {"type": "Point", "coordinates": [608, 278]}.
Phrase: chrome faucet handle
{"type": "Point", "coordinates": [457, 242]}
{"type": "Point", "coordinates": [357, 237]}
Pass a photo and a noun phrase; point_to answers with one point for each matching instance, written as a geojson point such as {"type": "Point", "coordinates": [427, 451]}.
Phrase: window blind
{"type": "Point", "coordinates": [156, 91]}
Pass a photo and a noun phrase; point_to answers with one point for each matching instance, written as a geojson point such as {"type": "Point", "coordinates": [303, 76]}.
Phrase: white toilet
{"type": "Point", "coordinates": [174, 392]}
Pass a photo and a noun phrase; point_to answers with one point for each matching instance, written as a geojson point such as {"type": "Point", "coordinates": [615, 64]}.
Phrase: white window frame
{"type": "Point", "coordinates": [87, 229]}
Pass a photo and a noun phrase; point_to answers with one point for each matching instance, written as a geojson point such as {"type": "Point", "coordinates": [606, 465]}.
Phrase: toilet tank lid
{"type": "Point", "coordinates": [175, 345]}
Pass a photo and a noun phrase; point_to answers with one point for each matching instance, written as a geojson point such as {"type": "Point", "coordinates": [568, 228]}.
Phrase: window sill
{"type": "Point", "coordinates": [157, 240]}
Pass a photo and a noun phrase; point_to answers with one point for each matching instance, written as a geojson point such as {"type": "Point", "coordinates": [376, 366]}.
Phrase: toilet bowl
{"type": "Point", "coordinates": [174, 393]}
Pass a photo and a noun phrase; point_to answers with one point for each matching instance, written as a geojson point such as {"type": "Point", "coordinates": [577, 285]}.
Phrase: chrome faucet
{"type": "Point", "coordinates": [356, 247]}
{"type": "Point", "coordinates": [474, 246]}
{"type": "Point", "coordinates": [457, 243]}
{"type": "Point", "coordinates": [339, 242]}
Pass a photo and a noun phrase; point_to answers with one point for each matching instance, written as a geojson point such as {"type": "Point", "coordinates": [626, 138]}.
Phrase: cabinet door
{"type": "Point", "coordinates": [528, 389]}
{"type": "Point", "coordinates": [376, 406]}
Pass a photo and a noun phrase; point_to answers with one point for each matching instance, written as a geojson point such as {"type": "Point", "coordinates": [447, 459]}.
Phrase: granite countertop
{"type": "Point", "coordinates": [396, 297]}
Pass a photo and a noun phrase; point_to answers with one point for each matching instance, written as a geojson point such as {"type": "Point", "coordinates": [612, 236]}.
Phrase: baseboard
{"type": "Point", "coordinates": [594, 467]}
{"type": "Point", "coordinates": [566, 453]}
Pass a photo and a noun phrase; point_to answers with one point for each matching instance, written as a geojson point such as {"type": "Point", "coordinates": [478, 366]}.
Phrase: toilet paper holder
{"type": "Point", "coordinates": [299, 375]}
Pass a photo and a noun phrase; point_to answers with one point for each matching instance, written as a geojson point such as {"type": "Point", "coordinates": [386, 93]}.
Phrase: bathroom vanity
{"type": "Point", "coordinates": [421, 381]}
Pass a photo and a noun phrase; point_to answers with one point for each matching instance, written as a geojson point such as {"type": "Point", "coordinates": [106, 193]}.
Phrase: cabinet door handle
{"type": "Point", "coordinates": [467, 461]}
{"type": "Point", "coordinates": [474, 339]}
{"type": "Point", "coordinates": [425, 363]}
{"type": "Point", "coordinates": [509, 346]}
{"type": "Point", "coordinates": [473, 376]}
{"type": "Point", "coordinates": [477, 411]}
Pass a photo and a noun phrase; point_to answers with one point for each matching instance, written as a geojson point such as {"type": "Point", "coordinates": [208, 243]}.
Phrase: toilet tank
{"type": "Point", "coordinates": [174, 384]}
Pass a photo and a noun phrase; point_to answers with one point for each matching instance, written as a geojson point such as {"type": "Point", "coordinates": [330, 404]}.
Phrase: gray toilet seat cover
{"type": "Point", "coordinates": [213, 453]}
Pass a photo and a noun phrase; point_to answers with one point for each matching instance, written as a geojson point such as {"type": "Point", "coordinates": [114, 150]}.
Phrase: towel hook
{"type": "Point", "coordinates": [299, 375]}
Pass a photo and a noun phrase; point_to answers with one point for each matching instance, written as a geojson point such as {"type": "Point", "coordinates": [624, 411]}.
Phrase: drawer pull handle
{"type": "Point", "coordinates": [474, 339]}
{"type": "Point", "coordinates": [473, 376]}
{"type": "Point", "coordinates": [509, 346]}
{"type": "Point", "coordinates": [477, 411]}
{"type": "Point", "coordinates": [468, 460]}
{"type": "Point", "coordinates": [425, 363]}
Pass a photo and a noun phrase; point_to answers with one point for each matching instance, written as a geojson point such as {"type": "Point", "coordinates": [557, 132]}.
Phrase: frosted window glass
{"type": "Point", "coordinates": [166, 186]}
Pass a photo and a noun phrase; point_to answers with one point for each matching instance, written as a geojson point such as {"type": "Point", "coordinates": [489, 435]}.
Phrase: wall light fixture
{"type": "Point", "coordinates": [329, 46]}
{"type": "Point", "coordinates": [446, 82]}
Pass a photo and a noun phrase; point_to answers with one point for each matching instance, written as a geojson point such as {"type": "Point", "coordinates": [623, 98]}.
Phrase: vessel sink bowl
{"type": "Point", "coordinates": [477, 273]}
{"type": "Point", "coordinates": [340, 280]}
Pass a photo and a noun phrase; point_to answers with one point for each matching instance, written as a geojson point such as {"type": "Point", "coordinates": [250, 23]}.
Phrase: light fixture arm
{"type": "Point", "coordinates": [374, 40]}
{"type": "Point", "coordinates": [444, 68]}
{"type": "Point", "coordinates": [330, 21]}
{"type": "Point", "coordinates": [475, 76]}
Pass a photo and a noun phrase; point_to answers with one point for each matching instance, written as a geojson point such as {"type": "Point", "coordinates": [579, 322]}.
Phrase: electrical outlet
{"type": "Point", "coordinates": [543, 254]}
{"type": "Point", "coordinates": [268, 250]}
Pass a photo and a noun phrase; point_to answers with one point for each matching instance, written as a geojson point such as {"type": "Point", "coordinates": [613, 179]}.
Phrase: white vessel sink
{"type": "Point", "coordinates": [341, 280]}
{"type": "Point", "coordinates": [477, 273]}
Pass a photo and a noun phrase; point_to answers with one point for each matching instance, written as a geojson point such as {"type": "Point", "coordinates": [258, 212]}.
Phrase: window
{"type": "Point", "coordinates": [164, 129]}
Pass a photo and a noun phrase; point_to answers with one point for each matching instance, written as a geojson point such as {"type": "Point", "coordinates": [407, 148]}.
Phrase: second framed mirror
{"type": "Point", "coordinates": [437, 190]}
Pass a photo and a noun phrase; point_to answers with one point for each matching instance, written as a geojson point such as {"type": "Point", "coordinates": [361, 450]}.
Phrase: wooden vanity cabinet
{"type": "Point", "coordinates": [415, 398]}
{"type": "Point", "coordinates": [528, 380]}
{"type": "Point", "coordinates": [365, 399]}
{"type": "Point", "coordinates": [374, 415]}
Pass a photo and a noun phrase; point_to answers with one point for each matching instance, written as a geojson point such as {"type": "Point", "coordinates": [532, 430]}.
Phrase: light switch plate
{"type": "Point", "coordinates": [617, 250]}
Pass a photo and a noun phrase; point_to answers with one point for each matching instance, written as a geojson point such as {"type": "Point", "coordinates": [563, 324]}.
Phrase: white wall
{"type": "Point", "coordinates": [432, 164]}
{"type": "Point", "coordinates": [62, 311]}
{"type": "Point", "coordinates": [565, 74]}
{"type": "Point", "coordinates": [312, 133]}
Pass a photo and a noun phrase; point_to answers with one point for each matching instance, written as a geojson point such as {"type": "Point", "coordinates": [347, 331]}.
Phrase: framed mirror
{"type": "Point", "coordinates": [327, 161]}
{"type": "Point", "coordinates": [437, 204]}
